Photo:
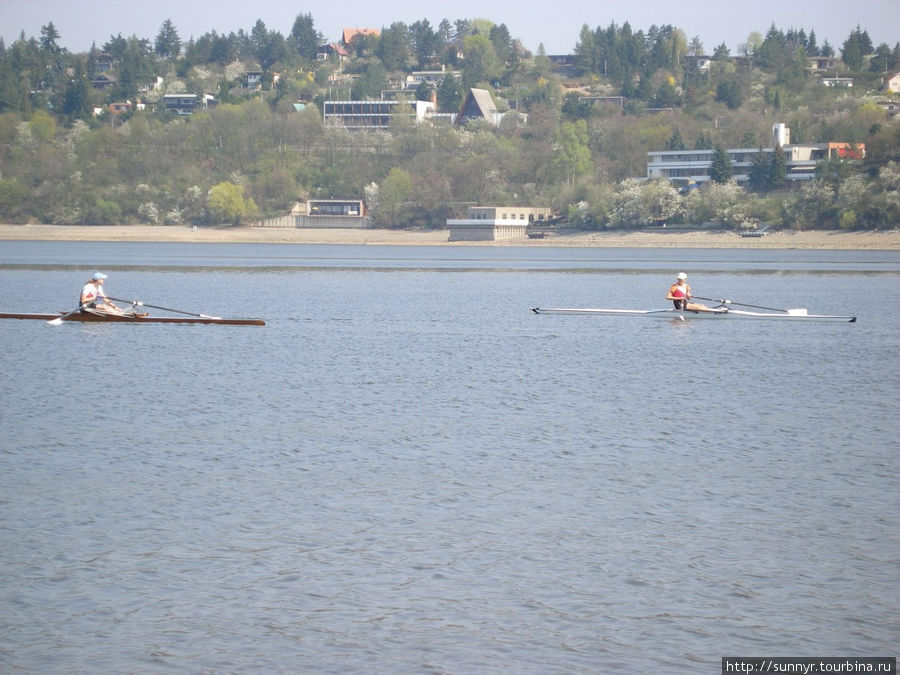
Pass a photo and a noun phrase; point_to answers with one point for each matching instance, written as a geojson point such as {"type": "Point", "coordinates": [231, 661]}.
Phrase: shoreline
{"type": "Point", "coordinates": [809, 239]}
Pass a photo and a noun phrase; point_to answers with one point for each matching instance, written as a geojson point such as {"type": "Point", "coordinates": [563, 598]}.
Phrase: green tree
{"type": "Point", "coordinates": [425, 43]}
{"type": "Point", "coordinates": [76, 100]}
{"type": "Point", "coordinates": [720, 169]}
{"type": "Point", "coordinates": [813, 204]}
{"type": "Point", "coordinates": [666, 95]}
{"type": "Point", "coordinates": [393, 194]}
{"type": "Point", "coordinates": [640, 203]}
{"type": "Point", "coordinates": [393, 47]}
{"type": "Point", "coordinates": [167, 44]}
{"type": "Point", "coordinates": [305, 37]}
{"type": "Point", "coordinates": [855, 47]}
{"type": "Point", "coordinates": [730, 93]}
{"type": "Point", "coordinates": [721, 53]}
{"type": "Point", "coordinates": [449, 93]}
{"type": "Point", "coordinates": [424, 91]}
{"type": "Point", "coordinates": [676, 142]}
{"type": "Point", "coordinates": [226, 203]}
{"type": "Point", "coordinates": [49, 36]}
{"type": "Point", "coordinates": [481, 63]}
{"type": "Point", "coordinates": [751, 47]}
{"type": "Point", "coordinates": [370, 83]}
{"type": "Point", "coordinates": [585, 52]}
{"type": "Point", "coordinates": [267, 46]}
{"type": "Point", "coordinates": [574, 108]}
{"type": "Point", "coordinates": [136, 69]}
{"type": "Point", "coordinates": [704, 141]}
{"type": "Point", "coordinates": [502, 41]}
{"type": "Point", "coordinates": [13, 199]}
{"type": "Point", "coordinates": [758, 173]}
{"type": "Point", "coordinates": [572, 155]}
{"type": "Point", "coordinates": [43, 126]}
{"type": "Point", "coordinates": [777, 169]}
{"type": "Point", "coordinates": [881, 59]}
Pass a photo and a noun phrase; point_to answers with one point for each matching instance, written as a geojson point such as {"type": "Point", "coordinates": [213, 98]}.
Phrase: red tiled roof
{"type": "Point", "coordinates": [350, 33]}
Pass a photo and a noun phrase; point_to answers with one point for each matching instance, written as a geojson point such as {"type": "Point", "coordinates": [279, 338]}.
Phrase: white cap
{"type": "Point", "coordinates": [682, 275]}
{"type": "Point", "coordinates": [98, 276]}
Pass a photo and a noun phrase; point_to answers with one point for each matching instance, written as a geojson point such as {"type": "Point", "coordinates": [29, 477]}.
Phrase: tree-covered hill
{"type": "Point", "coordinates": [85, 138]}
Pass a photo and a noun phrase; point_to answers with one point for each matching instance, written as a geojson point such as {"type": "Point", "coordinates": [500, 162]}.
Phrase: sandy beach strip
{"type": "Point", "coordinates": [883, 240]}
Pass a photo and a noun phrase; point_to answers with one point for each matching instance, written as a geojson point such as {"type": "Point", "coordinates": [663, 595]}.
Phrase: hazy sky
{"type": "Point", "coordinates": [555, 23]}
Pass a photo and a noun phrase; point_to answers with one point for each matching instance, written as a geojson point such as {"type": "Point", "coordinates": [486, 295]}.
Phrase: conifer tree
{"type": "Point", "coordinates": [759, 171]}
{"type": "Point", "coordinates": [720, 169]}
{"type": "Point", "coordinates": [704, 141]}
{"type": "Point", "coordinates": [777, 168]}
{"type": "Point", "coordinates": [305, 37]}
{"type": "Point", "coordinates": [676, 142]}
{"type": "Point", "coordinates": [168, 44]}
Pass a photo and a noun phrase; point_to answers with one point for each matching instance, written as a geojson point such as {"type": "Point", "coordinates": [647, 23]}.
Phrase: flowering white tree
{"type": "Point", "coordinates": [639, 203]}
{"type": "Point", "coordinates": [809, 205]}
{"type": "Point", "coordinates": [713, 202]}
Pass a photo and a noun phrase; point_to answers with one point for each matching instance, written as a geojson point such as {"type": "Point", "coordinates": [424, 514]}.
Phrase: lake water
{"type": "Point", "coordinates": [406, 470]}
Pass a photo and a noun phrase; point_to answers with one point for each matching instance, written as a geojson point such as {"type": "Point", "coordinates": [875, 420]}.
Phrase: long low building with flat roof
{"type": "Point", "coordinates": [683, 167]}
{"type": "Point", "coordinates": [494, 223]}
{"type": "Point", "coordinates": [322, 213]}
{"type": "Point", "coordinates": [373, 114]}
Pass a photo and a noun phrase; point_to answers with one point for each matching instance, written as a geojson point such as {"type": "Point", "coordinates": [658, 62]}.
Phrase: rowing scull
{"type": "Point", "coordinates": [96, 317]}
{"type": "Point", "coordinates": [711, 313]}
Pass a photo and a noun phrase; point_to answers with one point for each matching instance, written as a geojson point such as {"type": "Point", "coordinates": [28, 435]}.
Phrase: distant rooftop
{"type": "Point", "coordinates": [350, 33]}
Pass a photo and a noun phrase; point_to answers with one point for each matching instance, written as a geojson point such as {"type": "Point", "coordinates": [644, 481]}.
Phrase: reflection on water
{"type": "Point", "coordinates": [167, 256]}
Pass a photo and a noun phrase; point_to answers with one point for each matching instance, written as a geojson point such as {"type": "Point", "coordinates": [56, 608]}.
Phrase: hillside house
{"type": "Point", "coordinates": [845, 82]}
{"type": "Point", "coordinates": [103, 63]}
{"type": "Point", "coordinates": [185, 104]}
{"type": "Point", "coordinates": [892, 84]}
{"type": "Point", "coordinates": [104, 82]}
{"type": "Point", "coordinates": [701, 62]}
{"type": "Point", "coordinates": [479, 104]}
{"type": "Point", "coordinates": [818, 64]}
{"type": "Point", "coordinates": [325, 52]}
{"type": "Point", "coordinates": [562, 63]}
{"type": "Point", "coordinates": [120, 107]}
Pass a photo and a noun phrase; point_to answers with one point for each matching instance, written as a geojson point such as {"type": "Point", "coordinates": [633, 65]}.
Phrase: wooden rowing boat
{"type": "Point", "coordinates": [710, 313]}
{"type": "Point", "coordinates": [99, 317]}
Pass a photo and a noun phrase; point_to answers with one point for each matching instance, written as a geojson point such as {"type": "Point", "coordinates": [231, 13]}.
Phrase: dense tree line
{"type": "Point", "coordinates": [254, 154]}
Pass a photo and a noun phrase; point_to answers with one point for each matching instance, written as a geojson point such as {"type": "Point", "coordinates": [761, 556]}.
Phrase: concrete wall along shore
{"type": "Point", "coordinates": [468, 230]}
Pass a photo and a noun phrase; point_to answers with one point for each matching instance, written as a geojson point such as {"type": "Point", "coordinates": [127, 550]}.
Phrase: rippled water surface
{"type": "Point", "coordinates": [406, 470]}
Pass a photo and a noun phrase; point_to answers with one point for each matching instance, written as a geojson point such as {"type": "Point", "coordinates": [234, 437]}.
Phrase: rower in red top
{"type": "Point", "coordinates": [680, 292]}
{"type": "Point", "coordinates": [680, 295]}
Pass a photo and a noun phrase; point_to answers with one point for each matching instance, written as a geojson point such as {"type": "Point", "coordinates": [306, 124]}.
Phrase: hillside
{"type": "Point", "coordinates": [228, 129]}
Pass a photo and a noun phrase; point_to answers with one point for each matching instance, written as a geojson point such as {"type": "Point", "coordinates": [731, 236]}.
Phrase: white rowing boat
{"type": "Point", "coordinates": [708, 313]}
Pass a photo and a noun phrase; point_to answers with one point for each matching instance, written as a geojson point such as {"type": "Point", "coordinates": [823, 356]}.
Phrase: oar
{"type": "Point", "coordinates": [798, 310]}
{"type": "Point", "coordinates": [58, 320]}
{"type": "Point", "coordinates": [138, 303]}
